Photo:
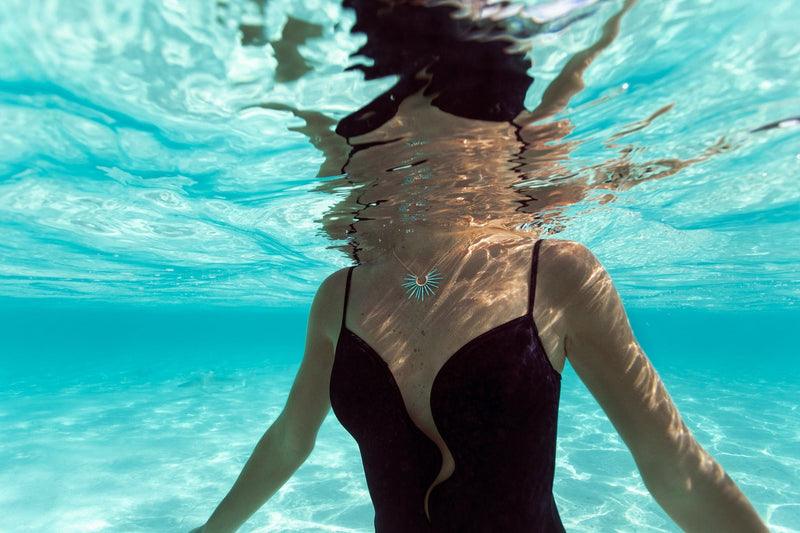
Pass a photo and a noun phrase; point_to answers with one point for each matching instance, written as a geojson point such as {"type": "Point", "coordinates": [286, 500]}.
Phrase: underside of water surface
{"type": "Point", "coordinates": [160, 152]}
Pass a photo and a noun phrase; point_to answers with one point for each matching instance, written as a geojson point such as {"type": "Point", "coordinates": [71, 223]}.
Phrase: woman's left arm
{"type": "Point", "coordinates": [684, 479]}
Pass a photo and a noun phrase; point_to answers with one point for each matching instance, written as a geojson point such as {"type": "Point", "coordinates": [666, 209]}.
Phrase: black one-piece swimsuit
{"type": "Point", "coordinates": [495, 404]}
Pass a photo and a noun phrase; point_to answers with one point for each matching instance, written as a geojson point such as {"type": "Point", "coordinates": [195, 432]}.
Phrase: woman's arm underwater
{"type": "Point", "coordinates": [290, 439]}
{"type": "Point", "coordinates": [683, 478]}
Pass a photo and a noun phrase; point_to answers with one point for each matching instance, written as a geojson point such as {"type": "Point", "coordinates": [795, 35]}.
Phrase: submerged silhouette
{"type": "Point", "coordinates": [441, 351]}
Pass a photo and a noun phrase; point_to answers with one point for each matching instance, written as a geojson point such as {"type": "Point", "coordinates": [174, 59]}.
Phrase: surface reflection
{"type": "Point", "coordinates": [452, 136]}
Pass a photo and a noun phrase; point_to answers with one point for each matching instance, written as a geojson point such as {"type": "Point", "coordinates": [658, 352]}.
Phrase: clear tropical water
{"type": "Point", "coordinates": [160, 246]}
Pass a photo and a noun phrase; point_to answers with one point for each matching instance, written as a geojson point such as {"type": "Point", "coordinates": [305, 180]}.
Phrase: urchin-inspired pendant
{"type": "Point", "coordinates": [418, 286]}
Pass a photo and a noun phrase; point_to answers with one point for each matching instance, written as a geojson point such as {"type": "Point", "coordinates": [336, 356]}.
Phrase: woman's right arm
{"type": "Point", "coordinates": [289, 440]}
{"type": "Point", "coordinates": [683, 478]}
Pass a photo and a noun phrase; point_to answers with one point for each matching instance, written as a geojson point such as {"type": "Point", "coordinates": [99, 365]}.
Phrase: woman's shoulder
{"type": "Point", "coordinates": [335, 277]}
{"type": "Point", "coordinates": [328, 304]}
{"type": "Point", "coordinates": [566, 253]}
{"type": "Point", "coordinates": [567, 266]}
{"type": "Point", "coordinates": [332, 287]}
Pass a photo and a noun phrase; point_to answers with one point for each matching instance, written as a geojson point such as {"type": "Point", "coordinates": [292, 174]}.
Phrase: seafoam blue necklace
{"type": "Point", "coordinates": [417, 286]}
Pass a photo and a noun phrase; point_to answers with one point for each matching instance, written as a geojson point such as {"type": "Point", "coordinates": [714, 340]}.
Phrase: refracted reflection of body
{"type": "Point", "coordinates": [441, 352]}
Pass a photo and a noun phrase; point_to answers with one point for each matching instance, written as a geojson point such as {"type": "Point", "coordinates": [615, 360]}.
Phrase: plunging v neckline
{"type": "Point", "coordinates": [447, 361]}
{"type": "Point", "coordinates": [453, 357]}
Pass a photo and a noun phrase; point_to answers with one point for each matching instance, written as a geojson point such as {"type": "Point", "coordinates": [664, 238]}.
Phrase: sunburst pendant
{"type": "Point", "coordinates": [418, 286]}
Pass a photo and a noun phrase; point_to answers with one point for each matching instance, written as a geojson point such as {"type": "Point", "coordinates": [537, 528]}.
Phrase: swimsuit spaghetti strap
{"type": "Point", "coordinates": [346, 295]}
{"type": "Point", "coordinates": [534, 265]}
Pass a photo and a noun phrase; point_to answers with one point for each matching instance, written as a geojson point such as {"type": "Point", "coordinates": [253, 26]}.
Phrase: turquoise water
{"type": "Point", "coordinates": [159, 251]}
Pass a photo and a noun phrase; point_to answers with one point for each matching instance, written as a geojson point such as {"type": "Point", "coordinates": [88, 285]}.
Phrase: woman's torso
{"type": "Point", "coordinates": [453, 402]}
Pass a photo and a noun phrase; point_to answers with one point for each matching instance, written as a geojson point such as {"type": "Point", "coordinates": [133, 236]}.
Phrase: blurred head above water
{"type": "Point", "coordinates": [464, 64]}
